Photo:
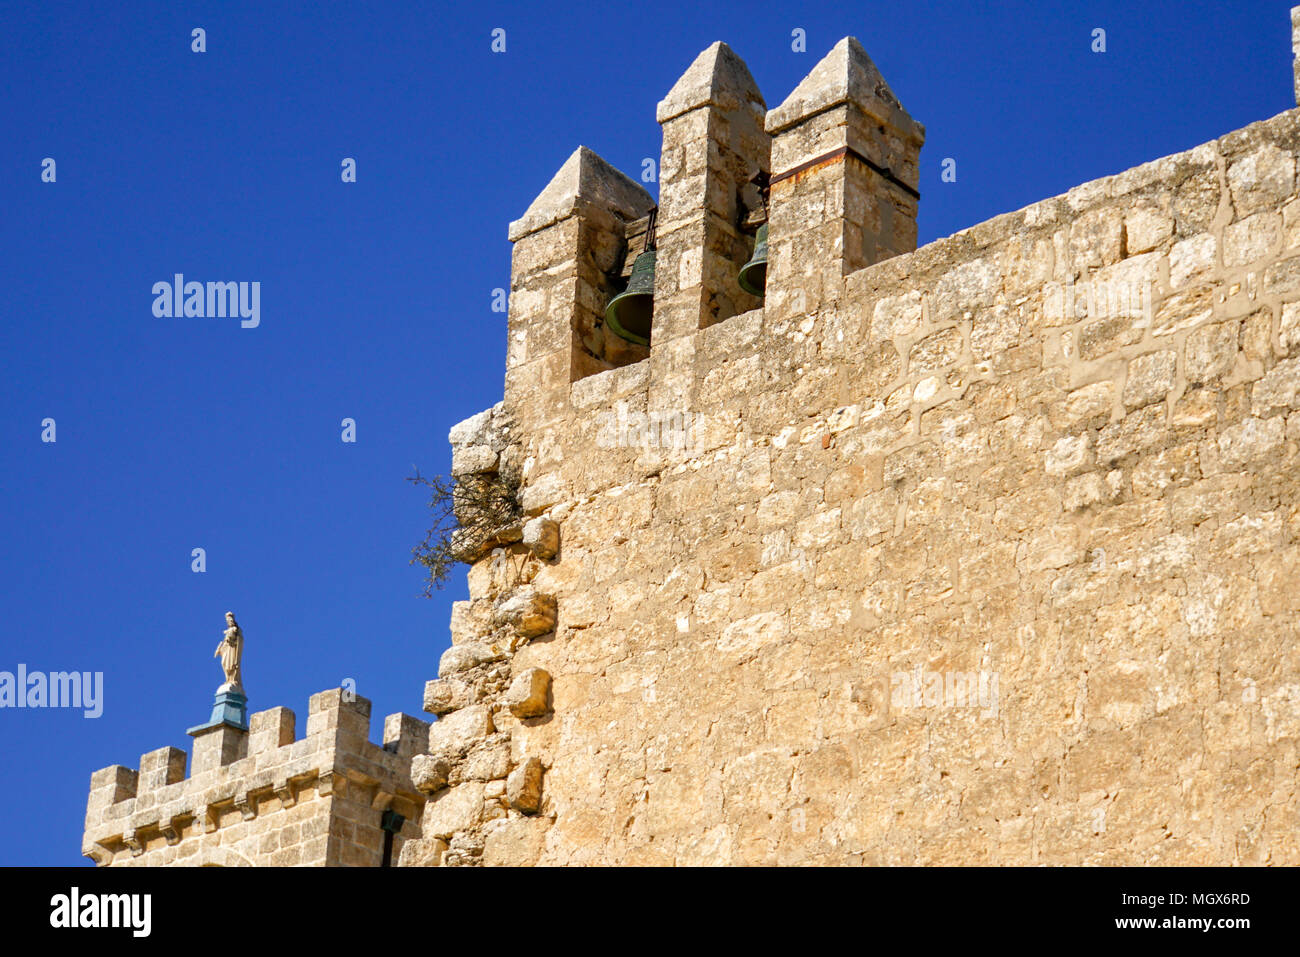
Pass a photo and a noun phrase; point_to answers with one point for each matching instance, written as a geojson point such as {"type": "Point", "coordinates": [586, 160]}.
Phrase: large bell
{"type": "Point", "coordinates": [629, 313]}
{"type": "Point", "coordinates": [753, 275]}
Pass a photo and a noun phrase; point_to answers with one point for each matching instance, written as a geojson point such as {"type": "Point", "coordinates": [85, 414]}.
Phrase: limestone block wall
{"type": "Point", "coordinates": [260, 797]}
{"type": "Point", "coordinates": [983, 553]}
{"type": "Point", "coordinates": [484, 787]}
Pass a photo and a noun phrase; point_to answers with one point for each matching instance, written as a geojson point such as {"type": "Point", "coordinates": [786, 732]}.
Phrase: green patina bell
{"type": "Point", "coordinates": [753, 275]}
{"type": "Point", "coordinates": [629, 314]}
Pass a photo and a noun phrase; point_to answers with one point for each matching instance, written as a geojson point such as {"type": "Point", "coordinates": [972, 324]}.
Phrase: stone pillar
{"type": "Point", "coordinates": [844, 180]}
{"type": "Point", "coordinates": [342, 716]}
{"type": "Point", "coordinates": [108, 786]}
{"type": "Point", "coordinates": [271, 729]}
{"type": "Point", "coordinates": [223, 739]}
{"type": "Point", "coordinates": [714, 143]}
{"type": "Point", "coordinates": [112, 784]}
{"type": "Point", "coordinates": [217, 745]}
{"type": "Point", "coordinates": [161, 768]}
{"type": "Point", "coordinates": [566, 245]}
{"type": "Point", "coordinates": [405, 735]}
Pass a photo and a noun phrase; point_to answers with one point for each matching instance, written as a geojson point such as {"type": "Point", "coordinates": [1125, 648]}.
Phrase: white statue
{"type": "Point", "coordinates": [231, 651]}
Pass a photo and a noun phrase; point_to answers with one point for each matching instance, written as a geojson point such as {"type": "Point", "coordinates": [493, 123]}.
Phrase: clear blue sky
{"type": "Point", "coordinates": [174, 434]}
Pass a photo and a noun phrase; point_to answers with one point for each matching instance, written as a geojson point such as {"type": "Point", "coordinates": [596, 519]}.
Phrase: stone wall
{"type": "Point", "coordinates": [980, 553]}
{"type": "Point", "coordinates": [260, 797]}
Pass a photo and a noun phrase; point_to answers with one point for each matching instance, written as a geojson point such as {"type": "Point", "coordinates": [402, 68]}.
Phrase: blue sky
{"type": "Point", "coordinates": [175, 434]}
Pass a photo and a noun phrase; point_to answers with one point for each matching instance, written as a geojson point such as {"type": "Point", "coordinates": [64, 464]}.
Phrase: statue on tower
{"type": "Point", "coordinates": [231, 652]}
{"type": "Point", "coordinates": [230, 709]}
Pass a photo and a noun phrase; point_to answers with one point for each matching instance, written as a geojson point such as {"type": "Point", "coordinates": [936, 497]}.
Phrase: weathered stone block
{"type": "Point", "coordinates": [1138, 430]}
{"type": "Point", "coordinates": [524, 786]}
{"type": "Point", "coordinates": [1211, 351]}
{"type": "Point", "coordinates": [1251, 239]}
{"type": "Point", "coordinates": [542, 537]}
{"type": "Point", "coordinates": [1106, 335]}
{"type": "Point", "coordinates": [270, 729]}
{"type": "Point", "coordinates": [471, 621]}
{"type": "Point", "coordinates": [1191, 259]}
{"type": "Point", "coordinates": [1145, 228]}
{"type": "Point", "coordinates": [1261, 179]}
{"type": "Point", "coordinates": [474, 430]}
{"type": "Point", "coordinates": [1289, 328]}
{"type": "Point", "coordinates": [529, 694]}
{"type": "Point", "coordinates": [487, 761]}
{"type": "Point", "coordinates": [442, 695]}
{"type": "Point", "coordinates": [1083, 407]}
{"type": "Point", "coordinates": [1070, 455]}
{"type": "Point", "coordinates": [419, 852]}
{"type": "Point", "coordinates": [935, 352]}
{"type": "Point", "coordinates": [1150, 377]}
{"type": "Point", "coordinates": [966, 287]}
{"type": "Point", "coordinates": [1250, 439]}
{"type": "Point", "coordinates": [452, 810]}
{"type": "Point", "coordinates": [429, 772]}
{"type": "Point", "coordinates": [1096, 238]}
{"type": "Point", "coordinates": [896, 316]}
{"type": "Point", "coordinates": [160, 768]}
{"type": "Point", "coordinates": [405, 735]}
{"type": "Point", "coordinates": [457, 732]}
{"type": "Point", "coordinates": [1279, 389]}
{"type": "Point", "coordinates": [514, 842]}
{"type": "Point", "coordinates": [472, 459]}
{"type": "Point", "coordinates": [459, 658]}
{"type": "Point", "coordinates": [528, 613]}
{"type": "Point", "coordinates": [1084, 490]}
{"type": "Point", "coordinates": [1196, 202]}
{"type": "Point", "coordinates": [542, 494]}
{"type": "Point", "coordinates": [1176, 466]}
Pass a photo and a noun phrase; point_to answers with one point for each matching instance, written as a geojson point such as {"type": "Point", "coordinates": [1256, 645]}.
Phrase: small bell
{"type": "Point", "coordinates": [630, 312]}
{"type": "Point", "coordinates": [753, 275]}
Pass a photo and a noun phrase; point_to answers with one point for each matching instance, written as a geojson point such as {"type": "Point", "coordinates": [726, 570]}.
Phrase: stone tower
{"type": "Point", "coordinates": [258, 796]}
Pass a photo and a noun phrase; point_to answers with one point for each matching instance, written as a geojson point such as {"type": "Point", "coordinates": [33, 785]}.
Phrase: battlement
{"type": "Point", "coordinates": [239, 779]}
{"type": "Point", "coordinates": [1094, 277]}
{"type": "Point", "coordinates": [841, 156]}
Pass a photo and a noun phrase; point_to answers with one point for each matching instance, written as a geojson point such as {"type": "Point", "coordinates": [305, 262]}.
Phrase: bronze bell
{"type": "Point", "coordinates": [630, 312]}
{"type": "Point", "coordinates": [753, 275]}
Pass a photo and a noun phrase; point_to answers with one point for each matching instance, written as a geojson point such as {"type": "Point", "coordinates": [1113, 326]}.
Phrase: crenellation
{"type": "Point", "coordinates": [567, 248]}
{"type": "Point", "coordinates": [161, 768]}
{"type": "Point", "coordinates": [714, 145]}
{"type": "Point", "coordinates": [404, 735]}
{"type": "Point", "coordinates": [271, 730]}
{"type": "Point", "coordinates": [844, 182]}
{"type": "Point", "coordinates": [267, 781]}
{"type": "Point", "coordinates": [112, 785]}
{"type": "Point", "coordinates": [218, 747]}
